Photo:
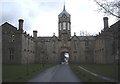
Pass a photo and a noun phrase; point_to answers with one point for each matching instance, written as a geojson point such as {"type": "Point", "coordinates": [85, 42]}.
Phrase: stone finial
{"type": "Point", "coordinates": [53, 34]}
{"type": "Point", "coordinates": [74, 33]}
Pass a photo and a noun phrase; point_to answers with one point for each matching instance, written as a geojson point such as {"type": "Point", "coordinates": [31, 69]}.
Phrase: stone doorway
{"type": "Point", "coordinates": [64, 57]}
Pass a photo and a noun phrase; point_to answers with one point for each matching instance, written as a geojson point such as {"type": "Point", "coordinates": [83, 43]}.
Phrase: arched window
{"type": "Point", "coordinates": [68, 26]}
{"type": "Point", "coordinates": [60, 26]}
{"type": "Point", "coordinates": [64, 25]}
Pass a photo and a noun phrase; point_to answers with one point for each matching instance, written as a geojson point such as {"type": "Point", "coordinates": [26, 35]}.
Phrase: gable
{"type": "Point", "coordinates": [8, 28]}
{"type": "Point", "coordinates": [75, 38]}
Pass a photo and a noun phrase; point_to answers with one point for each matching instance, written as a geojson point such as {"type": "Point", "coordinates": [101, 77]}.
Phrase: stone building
{"type": "Point", "coordinates": [52, 49]}
{"type": "Point", "coordinates": [21, 48]}
{"type": "Point", "coordinates": [106, 48]}
{"type": "Point", "coordinates": [17, 46]}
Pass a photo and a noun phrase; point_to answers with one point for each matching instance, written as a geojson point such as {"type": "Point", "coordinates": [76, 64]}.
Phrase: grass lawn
{"type": "Point", "coordinates": [20, 73]}
{"type": "Point", "coordinates": [107, 70]}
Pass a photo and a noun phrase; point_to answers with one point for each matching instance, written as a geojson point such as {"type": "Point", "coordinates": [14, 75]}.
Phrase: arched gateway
{"type": "Point", "coordinates": [64, 55]}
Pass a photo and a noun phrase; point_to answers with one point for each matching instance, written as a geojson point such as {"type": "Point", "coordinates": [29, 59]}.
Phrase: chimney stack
{"type": "Point", "coordinates": [105, 19]}
{"type": "Point", "coordinates": [35, 34]}
{"type": "Point", "coordinates": [21, 24]}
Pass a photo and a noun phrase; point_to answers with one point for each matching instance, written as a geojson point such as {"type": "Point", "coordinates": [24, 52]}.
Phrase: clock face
{"type": "Point", "coordinates": [64, 16]}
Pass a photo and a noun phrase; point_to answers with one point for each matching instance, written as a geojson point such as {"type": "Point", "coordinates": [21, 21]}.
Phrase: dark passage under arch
{"type": "Point", "coordinates": [64, 57]}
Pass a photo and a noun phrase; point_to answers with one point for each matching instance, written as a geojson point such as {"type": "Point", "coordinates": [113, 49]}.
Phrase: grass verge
{"type": "Point", "coordinates": [22, 72]}
{"type": "Point", "coordinates": [106, 70]}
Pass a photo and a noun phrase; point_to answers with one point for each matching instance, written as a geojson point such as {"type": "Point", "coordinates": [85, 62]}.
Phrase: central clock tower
{"type": "Point", "coordinates": [64, 25]}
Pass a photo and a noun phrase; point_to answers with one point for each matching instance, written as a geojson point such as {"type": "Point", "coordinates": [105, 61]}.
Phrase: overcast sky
{"type": "Point", "coordinates": [42, 15]}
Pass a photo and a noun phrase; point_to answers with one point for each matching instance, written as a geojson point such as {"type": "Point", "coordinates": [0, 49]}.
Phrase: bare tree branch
{"type": "Point", "coordinates": [110, 7]}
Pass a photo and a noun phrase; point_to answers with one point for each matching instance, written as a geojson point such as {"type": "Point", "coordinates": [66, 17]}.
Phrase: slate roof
{"type": "Point", "coordinates": [88, 37]}
{"type": "Point", "coordinates": [64, 12]}
{"type": "Point", "coordinates": [44, 38]}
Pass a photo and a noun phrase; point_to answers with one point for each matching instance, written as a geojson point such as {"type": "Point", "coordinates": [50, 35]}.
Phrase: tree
{"type": "Point", "coordinates": [111, 7]}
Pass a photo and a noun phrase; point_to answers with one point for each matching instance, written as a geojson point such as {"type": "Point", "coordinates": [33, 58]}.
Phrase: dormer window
{"type": "Point", "coordinates": [64, 16]}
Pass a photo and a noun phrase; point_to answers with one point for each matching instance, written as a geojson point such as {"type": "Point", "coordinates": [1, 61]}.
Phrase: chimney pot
{"type": "Point", "coordinates": [105, 19]}
{"type": "Point", "coordinates": [35, 33]}
{"type": "Point", "coordinates": [21, 24]}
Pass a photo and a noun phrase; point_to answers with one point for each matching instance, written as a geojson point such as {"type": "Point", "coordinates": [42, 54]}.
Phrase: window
{"type": "Point", "coordinates": [60, 26]}
{"type": "Point", "coordinates": [24, 49]}
{"type": "Point", "coordinates": [42, 51]}
{"type": "Point", "coordinates": [54, 52]}
{"type": "Point", "coordinates": [74, 51]}
{"type": "Point", "coordinates": [75, 44]}
{"type": "Point", "coordinates": [11, 52]}
{"type": "Point", "coordinates": [68, 26]}
{"type": "Point", "coordinates": [86, 43]}
{"type": "Point", "coordinates": [64, 25]}
{"type": "Point", "coordinates": [12, 38]}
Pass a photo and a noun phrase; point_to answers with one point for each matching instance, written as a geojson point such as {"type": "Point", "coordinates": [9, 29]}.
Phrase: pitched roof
{"type": "Point", "coordinates": [44, 38]}
{"type": "Point", "coordinates": [64, 12]}
{"type": "Point", "coordinates": [6, 23]}
{"type": "Point", "coordinates": [88, 37]}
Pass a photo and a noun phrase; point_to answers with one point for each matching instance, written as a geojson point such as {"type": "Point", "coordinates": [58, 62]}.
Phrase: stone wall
{"type": "Point", "coordinates": [28, 49]}
{"type": "Point", "coordinates": [106, 50]}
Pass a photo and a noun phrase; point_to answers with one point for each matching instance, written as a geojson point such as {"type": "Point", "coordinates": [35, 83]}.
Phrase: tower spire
{"type": "Point", "coordinates": [64, 6]}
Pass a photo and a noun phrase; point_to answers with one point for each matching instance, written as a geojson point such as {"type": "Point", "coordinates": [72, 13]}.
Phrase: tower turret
{"type": "Point", "coordinates": [64, 24]}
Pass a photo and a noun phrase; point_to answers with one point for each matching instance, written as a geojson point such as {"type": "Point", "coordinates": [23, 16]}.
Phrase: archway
{"type": "Point", "coordinates": [64, 57]}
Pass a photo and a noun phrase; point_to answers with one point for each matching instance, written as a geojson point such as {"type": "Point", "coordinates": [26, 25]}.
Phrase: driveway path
{"type": "Point", "coordinates": [58, 73]}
